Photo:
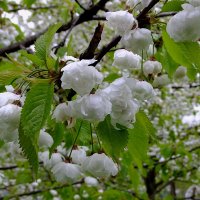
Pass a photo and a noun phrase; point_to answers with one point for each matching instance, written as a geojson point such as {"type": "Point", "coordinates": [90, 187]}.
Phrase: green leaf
{"type": "Point", "coordinates": [29, 2]}
{"type": "Point", "coordinates": [3, 5]}
{"type": "Point", "coordinates": [34, 113]}
{"type": "Point", "coordinates": [58, 135]}
{"type": "Point", "coordinates": [113, 141]}
{"type": "Point", "coordinates": [139, 138]}
{"type": "Point", "coordinates": [33, 58]}
{"type": "Point", "coordinates": [10, 71]}
{"type": "Point", "coordinates": [174, 5]}
{"type": "Point", "coordinates": [43, 43]}
{"type": "Point", "coordinates": [186, 54]}
{"type": "Point", "coordinates": [167, 62]}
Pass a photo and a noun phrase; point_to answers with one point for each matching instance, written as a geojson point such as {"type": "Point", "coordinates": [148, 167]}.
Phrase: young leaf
{"type": "Point", "coordinates": [139, 138]}
{"type": "Point", "coordinates": [184, 53]}
{"type": "Point", "coordinates": [43, 43]}
{"type": "Point", "coordinates": [174, 5]}
{"type": "Point", "coordinates": [29, 2]}
{"type": "Point", "coordinates": [33, 117]}
{"type": "Point", "coordinates": [113, 141]}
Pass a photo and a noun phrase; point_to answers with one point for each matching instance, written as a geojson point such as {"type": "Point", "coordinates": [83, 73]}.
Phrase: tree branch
{"type": "Point", "coordinates": [87, 15]}
{"type": "Point", "coordinates": [116, 39]}
{"type": "Point", "coordinates": [89, 52]}
{"type": "Point", "coordinates": [40, 191]}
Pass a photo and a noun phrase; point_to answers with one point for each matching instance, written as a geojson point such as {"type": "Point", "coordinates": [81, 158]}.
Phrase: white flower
{"type": "Point", "coordinates": [91, 181]}
{"type": "Point", "coordinates": [45, 140]}
{"type": "Point", "coordinates": [141, 90]}
{"type": "Point", "coordinates": [123, 108]}
{"type": "Point", "coordinates": [61, 113]}
{"type": "Point", "coordinates": [151, 50]}
{"type": "Point", "coordinates": [137, 40]}
{"type": "Point", "coordinates": [80, 77]}
{"type": "Point", "coordinates": [180, 72]}
{"type": "Point", "coordinates": [192, 191]}
{"type": "Point", "coordinates": [152, 68]}
{"type": "Point", "coordinates": [121, 21]}
{"type": "Point", "coordinates": [160, 81]}
{"type": "Point", "coordinates": [91, 107]}
{"type": "Point", "coordinates": [126, 60]}
{"type": "Point", "coordinates": [100, 165]}
{"type": "Point", "coordinates": [9, 122]}
{"type": "Point", "coordinates": [125, 117]}
{"type": "Point", "coordinates": [138, 4]}
{"type": "Point", "coordinates": [50, 162]}
{"type": "Point", "coordinates": [8, 97]}
{"type": "Point", "coordinates": [78, 156]}
{"type": "Point", "coordinates": [66, 172]}
{"type": "Point", "coordinates": [185, 25]}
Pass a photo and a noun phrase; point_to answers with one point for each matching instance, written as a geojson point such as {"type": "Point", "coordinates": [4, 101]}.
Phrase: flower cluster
{"type": "Point", "coordinates": [98, 165]}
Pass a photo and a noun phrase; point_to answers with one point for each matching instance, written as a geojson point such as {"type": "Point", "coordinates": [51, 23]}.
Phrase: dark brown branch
{"type": "Point", "coordinates": [40, 191]}
{"type": "Point", "coordinates": [116, 39]}
{"type": "Point", "coordinates": [87, 15]}
{"type": "Point", "coordinates": [165, 14]}
{"type": "Point", "coordinates": [80, 5]}
{"type": "Point", "coordinates": [106, 49]}
{"type": "Point", "coordinates": [89, 52]}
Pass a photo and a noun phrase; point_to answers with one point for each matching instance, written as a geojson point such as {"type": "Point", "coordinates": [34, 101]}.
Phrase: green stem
{"type": "Point", "coordinates": [91, 138]}
{"type": "Point", "coordinates": [75, 139]}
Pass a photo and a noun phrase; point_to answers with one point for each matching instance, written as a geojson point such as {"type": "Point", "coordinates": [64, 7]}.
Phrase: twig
{"type": "Point", "coordinates": [165, 14]}
{"type": "Point", "coordinates": [116, 39]}
{"type": "Point", "coordinates": [80, 5]}
{"type": "Point", "coordinates": [89, 52]}
{"type": "Point", "coordinates": [40, 191]}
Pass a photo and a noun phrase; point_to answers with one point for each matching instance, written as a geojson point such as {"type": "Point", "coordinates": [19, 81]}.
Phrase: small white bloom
{"type": "Point", "coordinates": [180, 72]}
{"type": "Point", "coordinates": [141, 90]}
{"type": "Point", "coordinates": [100, 165]}
{"type": "Point", "coordinates": [125, 117]}
{"type": "Point", "coordinates": [60, 113]}
{"type": "Point", "coordinates": [124, 59]}
{"type": "Point", "coordinates": [80, 77]}
{"type": "Point", "coordinates": [77, 197]}
{"type": "Point", "coordinates": [185, 25]}
{"type": "Point", "coordinates": [66, 172]}
{"type": "Point", "coordinates": [152, 68]}
{"type": "Point", "coordinates": [193, 190]}
{"type": "Point", "coordinates": [8, 97]}
{"type": "Point", "coordinates": [50, 162]}
{"type": "Point", "coordinates": [160, 81]}
{"type": "Point", "coordinates": [91, 181]}
{"type": "Point", "coordinates": [53, 192]}
{"type": "Point", "coordinates": [78, 156]}
{"type": "Point", "coordinates": [137, 40]}
{"type": "Point", "coordinates": [151, 50]}
{"type": "Point", "coordinates": [9, 122]}
{"type": "Point", "coordinates": [9, 88]}
{"type": "Point", "coordinates": [45, 140]}
{"type": "Point", "coordinates": [91, 107]}
{"type": "Point", "coordinates": [121, 21]}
